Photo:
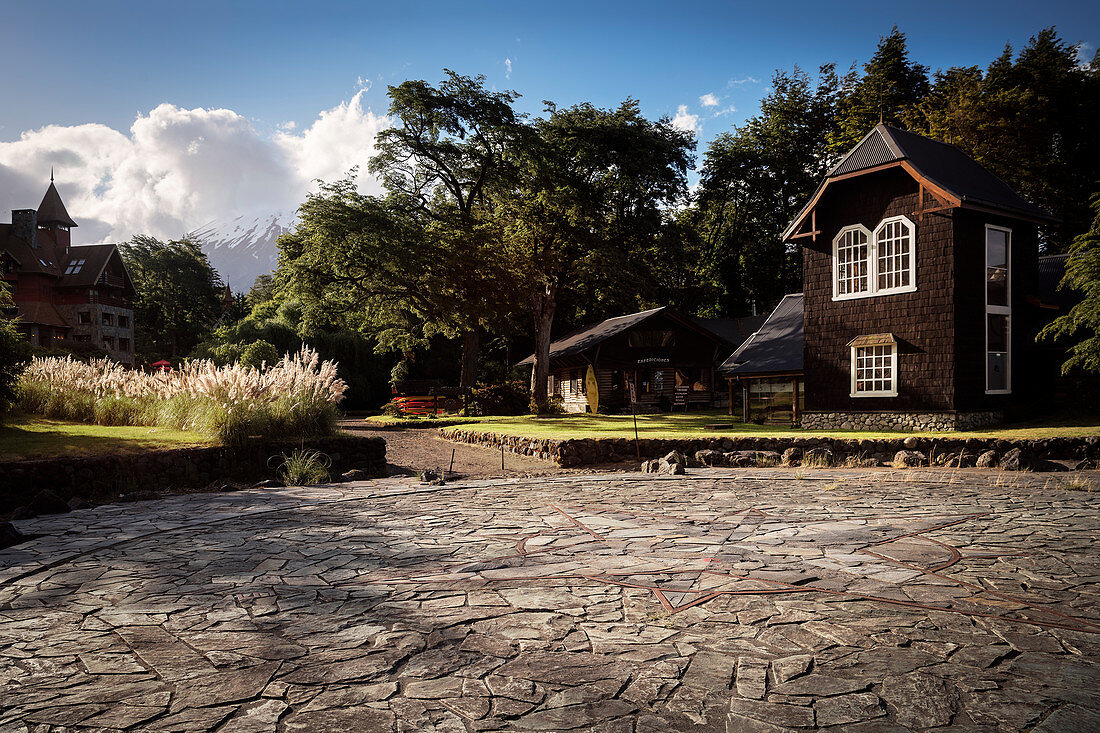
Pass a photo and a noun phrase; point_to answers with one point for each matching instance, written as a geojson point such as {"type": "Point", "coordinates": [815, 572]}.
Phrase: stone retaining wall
{"type": "Point", "coordinates": [106, 476]}
{"type": "Point", "coordinates": [591, 451]}
{"type": "Point", "coordinates": [904, 421]}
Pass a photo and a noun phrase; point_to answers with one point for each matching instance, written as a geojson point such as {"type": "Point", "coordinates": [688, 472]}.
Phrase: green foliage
{"type": "Point", "coordinates": [509, 398]}
{"type": "Point", "coordinates": [304, 467]}
{"type": "Point", "coordinates": [259, 354]}
{"type": "Point", "coordinates": [15, 351]}
{"type": "Point", "coordinates": [889, 91]}
{"type": "Point", "coordinates": [1083, 320]}
{"type": "Point", "coordinates": [179, 295]}
{"type": "Point", "coordinates": [753, 182]}
{"type": "Point", "coordinates": [1030, 119]}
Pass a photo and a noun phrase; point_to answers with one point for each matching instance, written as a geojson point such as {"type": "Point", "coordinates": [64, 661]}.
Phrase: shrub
{"type": "Point", "coordinates": [508, 398]}
{"type": "Point", "coordinates": [304, 467]}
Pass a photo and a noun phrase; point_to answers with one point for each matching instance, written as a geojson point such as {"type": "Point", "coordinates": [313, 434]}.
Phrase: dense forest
{"type": "Point", "coordinates": [498, 231]}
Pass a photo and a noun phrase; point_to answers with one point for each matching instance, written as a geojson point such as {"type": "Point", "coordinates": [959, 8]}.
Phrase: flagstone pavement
{"type": "Point", "coordinates": [725, 600]}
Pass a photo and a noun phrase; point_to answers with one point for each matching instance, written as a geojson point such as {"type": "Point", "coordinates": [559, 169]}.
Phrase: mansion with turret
{"type": "Point", "coordinates": [66, 296]}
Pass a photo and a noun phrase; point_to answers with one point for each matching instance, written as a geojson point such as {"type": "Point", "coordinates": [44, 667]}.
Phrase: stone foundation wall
{"type": "Point", "coordinates": [917, 422]}
{"type": "Point", "coordinates": [594, 451]}
{"type": "Point", "coordinates": [103, 477]}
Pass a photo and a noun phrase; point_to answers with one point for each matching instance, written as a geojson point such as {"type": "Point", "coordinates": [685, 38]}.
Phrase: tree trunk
{"type": "Point", "coordinates": [471, 348]}
{"type": "Point", "coordinates": [545, 304]}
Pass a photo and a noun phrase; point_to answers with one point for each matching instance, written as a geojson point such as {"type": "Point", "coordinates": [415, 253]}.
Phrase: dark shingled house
{"type": "Point", "coordinates": [766, 370]}
{"type": "Point", "coordinates": [920, 277]}
{"type": "Point", "coordinates": [669, 357]}
{"type": "Point", "coordinates": [65, 295]}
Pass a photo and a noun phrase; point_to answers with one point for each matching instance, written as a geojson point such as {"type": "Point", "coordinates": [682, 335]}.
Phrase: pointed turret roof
{"type": "Point", "coordinates": [52, 209]}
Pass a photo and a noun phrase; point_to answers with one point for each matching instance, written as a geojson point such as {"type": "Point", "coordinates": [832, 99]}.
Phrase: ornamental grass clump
{"type": "Point", "coordinates": [295, 398]}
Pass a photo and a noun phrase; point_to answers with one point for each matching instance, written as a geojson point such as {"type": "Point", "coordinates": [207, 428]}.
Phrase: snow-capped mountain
{"type": "Point", "coordinates": [243, 248]}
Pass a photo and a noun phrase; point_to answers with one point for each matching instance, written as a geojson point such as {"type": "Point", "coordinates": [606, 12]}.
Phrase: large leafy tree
{"type": "Point", "coordinates": [15, 350]}
{"type": "Point", "coordinates": [1083, 320]}
{"type": "Point", "coordinates": [1030, 119]}
{"type": "Point", "coordinates": [890, 89]}
{"type": "Point", "coordinates": [753, 182]}
{"type": "Point", "coordinates": [180, 296]}
{"type": "Point", "coordinates": [590, 191]}
{"type": "Point", "coordinates": [441, 164]}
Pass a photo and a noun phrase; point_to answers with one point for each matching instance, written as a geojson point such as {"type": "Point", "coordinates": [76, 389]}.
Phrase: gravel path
{"type": "Point", "coordinates": [414, 450]}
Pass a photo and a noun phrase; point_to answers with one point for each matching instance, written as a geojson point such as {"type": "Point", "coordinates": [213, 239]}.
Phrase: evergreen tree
{"type": "Point", "coordinates": [891, 88]}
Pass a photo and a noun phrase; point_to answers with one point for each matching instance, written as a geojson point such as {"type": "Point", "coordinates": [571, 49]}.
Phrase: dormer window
{"type": "Point", "coordinates": [865, 265]}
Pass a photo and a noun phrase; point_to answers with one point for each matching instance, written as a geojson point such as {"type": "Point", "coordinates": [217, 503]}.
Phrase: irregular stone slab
{"type": "Point", "coordinates": [339, 720]}
{"type": "Point", "coordinates": [575, 717]}
{"type": "Point", "coordinates": [920, 701]}
{"type": "Point", "coordinates": [848, 709]}
{"type": "Point", "coordinates": [751, 678]}
{"type": "Point", "coordinates": [788, 668]}
{"type": "Point", "coordinates": [791, 716]}
{"type": "Point", "coordinates": [820, 685]}
{"type": "Point", "coordinates": [563, 668]}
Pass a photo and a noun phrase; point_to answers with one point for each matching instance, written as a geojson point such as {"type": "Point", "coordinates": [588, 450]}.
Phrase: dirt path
{"type": "Point", "coordinates": [417, 449]}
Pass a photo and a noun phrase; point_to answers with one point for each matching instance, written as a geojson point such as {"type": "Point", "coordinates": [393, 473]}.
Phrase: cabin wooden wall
{"type": "Point", "coordinates": [923, 321]}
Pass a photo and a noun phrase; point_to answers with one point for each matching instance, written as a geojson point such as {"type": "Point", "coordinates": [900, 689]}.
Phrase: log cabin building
{"type": "Point", "coordinates": [78, 297]}
{"type": "Point", "coordinates": [670, 358]}
{"type": "Point", "coordinates": [921, 289]}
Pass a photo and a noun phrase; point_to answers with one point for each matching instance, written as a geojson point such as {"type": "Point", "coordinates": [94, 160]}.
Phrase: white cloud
{"type": "Point", "coordinates": [177, 169]}
{"type": "Point", "coordinates": [1085, 52]}
{"type": "Point", "coordinates": [725, 111]}
{"type": "Point", "coordinates": [685, 121]}
{"type": "Point", "coordinates": [507, 68]}
{"type": "Point", "coordinates": [746, 80]}
{"type": "Point", "coordinates": [708, 100]}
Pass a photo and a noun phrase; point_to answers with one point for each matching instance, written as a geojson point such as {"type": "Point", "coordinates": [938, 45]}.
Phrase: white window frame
{"type": "Point", "coordinates": [836, 261]}
{"type": "Point", "coordinates": [873, 290]}
{"type": "Point", "coordinates": [893, 391]}
{"type": "Point", "coordinates": [912, 286]}
{"type": "Point", "coordinates": [1003, 310]}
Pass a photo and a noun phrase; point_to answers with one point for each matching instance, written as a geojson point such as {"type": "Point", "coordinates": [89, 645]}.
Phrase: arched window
{"type": "Point", "coordinates": [851, 262]}
{"type": "Point", "coordinates": [866, 265]}
{"type": "Point", "coordinates": [895, 258]}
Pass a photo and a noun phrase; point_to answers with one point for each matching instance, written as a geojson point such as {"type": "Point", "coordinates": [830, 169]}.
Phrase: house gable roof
{"type": "Point", "coordinates": [774, 349]}
{"type": "Point", "coordinates": [585, 338]}
{"type": "Point", "coordinates": [52, 209]}
{"type": "Point", "coordinates": [947, 171]}
{"type": "Point", "coordinates": [96, 258]}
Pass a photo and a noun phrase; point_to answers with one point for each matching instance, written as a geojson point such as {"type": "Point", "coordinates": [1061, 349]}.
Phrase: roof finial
{"type": "Point", "coordinates": [51, 174]}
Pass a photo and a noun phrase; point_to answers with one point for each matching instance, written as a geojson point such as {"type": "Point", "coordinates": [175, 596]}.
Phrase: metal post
{"type": "Point", "coordinates": [452, 468]}
{"type": "Point", "coordinates": [502, 456]}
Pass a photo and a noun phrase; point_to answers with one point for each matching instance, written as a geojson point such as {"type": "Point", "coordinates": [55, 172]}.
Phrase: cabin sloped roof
{"type": "Point", "coordinates": [32, 261]}
{"type": "Point", "coordinates": [42, 314]}
{"type": "Point", "coordinates": [589, 336]}
{"type": "Point", "coordinates": [1052, 268]}
{"type": "Point", "coordinates": [939, 164]}
{"type": "Point", "coordinates": [776, 348]}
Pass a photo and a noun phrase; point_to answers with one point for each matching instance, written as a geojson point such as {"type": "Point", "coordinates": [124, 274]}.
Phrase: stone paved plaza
{"type": "Point", "coordinates": [725, 600]}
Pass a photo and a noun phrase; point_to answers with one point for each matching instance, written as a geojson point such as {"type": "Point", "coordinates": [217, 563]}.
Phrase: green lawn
{"type": "Point", "coordinates": [691, 425]}
{"type": "Point", "coordinates": [24, 436]}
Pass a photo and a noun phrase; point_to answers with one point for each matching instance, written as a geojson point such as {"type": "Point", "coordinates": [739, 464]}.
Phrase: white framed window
{"type": "Point", "coordinates": [998, 310]}
{"type": "Point", "coordinates": [866, 265]}
{"type": "Point", "coordinates": [875, 370]}
{"type": "Point", "coordinates": [851, 262]}
{"type": "Point", "coordinates": [895, 261]}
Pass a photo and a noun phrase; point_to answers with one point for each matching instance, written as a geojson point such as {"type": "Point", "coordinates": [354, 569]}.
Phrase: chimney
{"type": "Point", "coordinates": [24, 223]}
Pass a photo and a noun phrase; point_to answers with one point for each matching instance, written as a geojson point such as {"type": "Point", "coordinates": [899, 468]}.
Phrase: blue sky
{"type": "Point", "coordinates": [71, 64]}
